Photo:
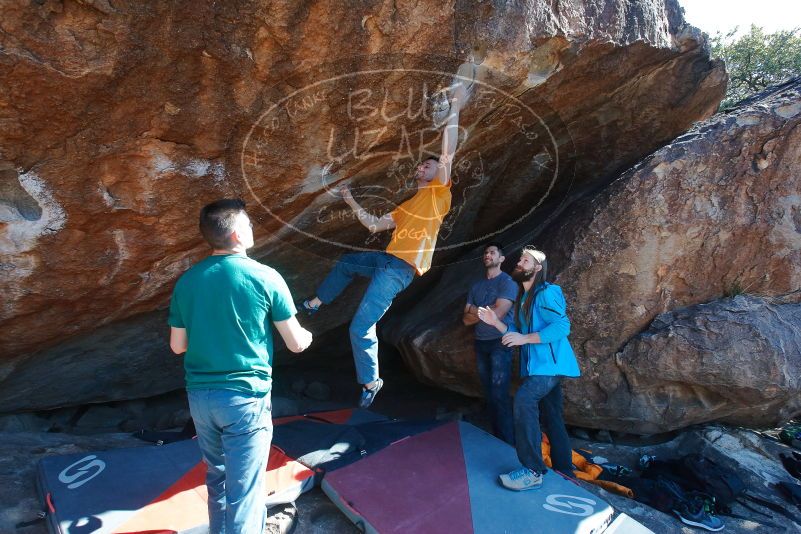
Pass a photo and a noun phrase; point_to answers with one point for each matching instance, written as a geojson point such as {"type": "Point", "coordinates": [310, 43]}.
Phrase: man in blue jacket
{"type": "Point", "coordinates": [540, 328]}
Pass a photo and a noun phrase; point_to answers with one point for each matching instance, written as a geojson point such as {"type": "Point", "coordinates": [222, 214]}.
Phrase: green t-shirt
{"type": "Point", "coordinates": [227, 304]}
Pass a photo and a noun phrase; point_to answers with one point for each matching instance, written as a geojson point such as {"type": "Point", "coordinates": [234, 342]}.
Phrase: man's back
{"type": "Point", "coordinates": [226, 303]}
{"type": "Point", "coordinates": [220, 317]}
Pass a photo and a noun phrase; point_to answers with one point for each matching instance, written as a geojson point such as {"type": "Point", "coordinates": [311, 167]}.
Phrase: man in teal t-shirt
{"type": "Point", "coordinates": [220, 317]}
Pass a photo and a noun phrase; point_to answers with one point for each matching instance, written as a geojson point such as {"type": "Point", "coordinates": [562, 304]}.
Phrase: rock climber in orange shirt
{"type": "Point", "coordinates": [415, 224]}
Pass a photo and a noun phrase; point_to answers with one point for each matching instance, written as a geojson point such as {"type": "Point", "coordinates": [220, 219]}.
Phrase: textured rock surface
{"type": "Point", "coordinates": [715, 212]}
{"type": "Point", "coordinates": [120, 119]}
{"type": "Point", "coordinates": [119, 361]}
{"type": "Point", "coordinates": [735, 360]}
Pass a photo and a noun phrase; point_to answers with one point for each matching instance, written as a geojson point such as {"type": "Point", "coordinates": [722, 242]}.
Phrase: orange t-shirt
{"type": "Point", "coordinates": [417, 223]}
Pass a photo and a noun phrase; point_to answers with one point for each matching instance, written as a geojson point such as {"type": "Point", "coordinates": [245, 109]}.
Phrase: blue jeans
{"type": "Point", "coordinates": [541, 395]}
{"type": "Point", "coordinates": [390, 276]}
{"type": "Point", "coordinates": [494, 363]}
{"type": "Point", "coordinates": [234, 431]}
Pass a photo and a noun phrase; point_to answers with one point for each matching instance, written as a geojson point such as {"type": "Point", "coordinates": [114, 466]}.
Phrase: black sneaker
{"type": "Point", "coordinates": [306, 309]}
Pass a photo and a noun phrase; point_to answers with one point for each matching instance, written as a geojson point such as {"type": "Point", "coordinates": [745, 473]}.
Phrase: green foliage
{"type": "Point", "coordinates": [757, 60]}
{"type": "Point", "coordinates": [733, 289]}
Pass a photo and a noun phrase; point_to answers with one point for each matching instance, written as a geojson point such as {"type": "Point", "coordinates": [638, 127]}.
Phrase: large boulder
{"type": "Point", "coordinates": [736, 360]}
{"type": "Point", "coordinates": [121, 119]}
{"type": "Point", "coordinates": [714, 213]}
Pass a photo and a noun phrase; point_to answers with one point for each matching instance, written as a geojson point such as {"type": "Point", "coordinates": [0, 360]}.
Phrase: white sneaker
{"type": "Point", "coordinates": [521, 480]}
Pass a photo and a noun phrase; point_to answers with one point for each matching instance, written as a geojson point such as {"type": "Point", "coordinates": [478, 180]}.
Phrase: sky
{"type": "Point", "coordinates": [723, 15]}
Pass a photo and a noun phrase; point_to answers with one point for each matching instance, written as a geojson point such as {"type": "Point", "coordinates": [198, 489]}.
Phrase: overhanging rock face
{"type": "Point", "coordinates": [121, 119]}
{"type": "Point", "coordinates": [714, 213]}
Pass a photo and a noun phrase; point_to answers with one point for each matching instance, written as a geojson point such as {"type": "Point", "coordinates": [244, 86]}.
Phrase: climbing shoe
{"type": "Point", "coordinates": [306, 308]}
{"type": "Point", "coordinates": [368, 395]}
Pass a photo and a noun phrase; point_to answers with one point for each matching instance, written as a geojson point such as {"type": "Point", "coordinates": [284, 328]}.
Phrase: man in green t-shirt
{"type": "Point", "coordinates": [220, 317]}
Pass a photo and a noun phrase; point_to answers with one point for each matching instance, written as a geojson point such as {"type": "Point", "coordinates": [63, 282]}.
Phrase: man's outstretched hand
{"type": "Point", "coordinates": [304, 339]}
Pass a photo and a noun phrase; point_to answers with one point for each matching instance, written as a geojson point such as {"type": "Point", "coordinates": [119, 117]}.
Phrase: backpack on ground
{"type": "Point", "coordinates": [697, 473]}
{"type": "Point", "coordinates": [724, 484]}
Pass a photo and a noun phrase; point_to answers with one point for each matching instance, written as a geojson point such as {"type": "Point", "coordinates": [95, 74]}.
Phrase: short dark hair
{"type": "Point", "coordinates": [494, 244]}
{"type": "Point", "coordinates": [435, 158]}
{"type": "Point", "coordinates": [218, 219]}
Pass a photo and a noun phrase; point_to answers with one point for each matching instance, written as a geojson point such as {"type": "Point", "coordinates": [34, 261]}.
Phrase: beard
{"type": "Point", "coordinates": [519, 275]}
{"type": "Point", "coordinates": [489, 264]}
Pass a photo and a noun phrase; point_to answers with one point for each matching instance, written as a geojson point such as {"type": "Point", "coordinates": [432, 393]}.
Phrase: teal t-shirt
{"type": "Point", "coordinates": [227, 304]}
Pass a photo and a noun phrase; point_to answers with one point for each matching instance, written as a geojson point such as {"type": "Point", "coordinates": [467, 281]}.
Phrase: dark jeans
{"type": "Point", "coordinates": [541, 395]}
{"type": "Point", "coordinates": [494, 363]}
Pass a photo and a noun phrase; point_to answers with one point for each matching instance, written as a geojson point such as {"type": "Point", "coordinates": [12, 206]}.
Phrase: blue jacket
{"type": "Point", "coordinates": [553, 356]}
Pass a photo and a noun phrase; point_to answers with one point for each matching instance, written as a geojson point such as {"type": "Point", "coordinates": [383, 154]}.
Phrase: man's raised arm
{"type": "Point", "coordinates": [371, 222]}
{"type": "Point", "coordinates": [450, 135]}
